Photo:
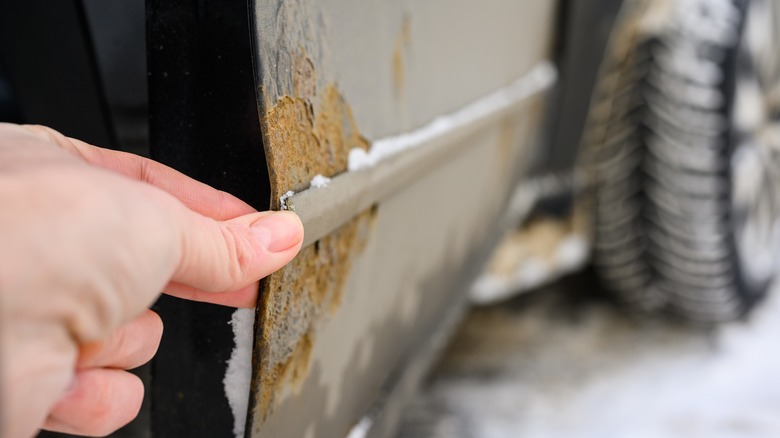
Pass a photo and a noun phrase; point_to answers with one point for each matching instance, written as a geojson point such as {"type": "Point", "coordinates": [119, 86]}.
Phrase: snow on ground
{"type": "Point", "coordinates": [558, 364]}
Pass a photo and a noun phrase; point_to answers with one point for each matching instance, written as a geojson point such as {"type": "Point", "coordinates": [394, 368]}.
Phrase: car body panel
{"type": "Point", "coordinates": [336, 324]}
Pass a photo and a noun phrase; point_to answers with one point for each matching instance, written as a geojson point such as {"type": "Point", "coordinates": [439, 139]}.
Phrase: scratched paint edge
{"type": "Point", "coordinates": [397, 161]}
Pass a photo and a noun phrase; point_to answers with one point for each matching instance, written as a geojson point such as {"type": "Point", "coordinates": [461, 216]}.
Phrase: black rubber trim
{"type": "Point", "coordinates": [203, 122]}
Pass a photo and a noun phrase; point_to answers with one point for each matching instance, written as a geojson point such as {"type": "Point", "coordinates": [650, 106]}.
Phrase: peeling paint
{"type": "Point", "coordinates": [322, 390]}
{"type": "Point", "coordinates": [295, 300]}
{"type": "Point", "coordinates": [307, 135]}
{"type": "Point", "coordinates": [303, 141]}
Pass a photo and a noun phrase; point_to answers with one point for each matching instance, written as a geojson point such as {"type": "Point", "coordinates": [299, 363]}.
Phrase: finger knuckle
{"type": "Point", "coordinates": [240, 254]}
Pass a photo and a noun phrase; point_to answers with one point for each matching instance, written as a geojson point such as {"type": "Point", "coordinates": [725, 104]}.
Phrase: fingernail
{"type": "Point", "coordinates": [278, 231]}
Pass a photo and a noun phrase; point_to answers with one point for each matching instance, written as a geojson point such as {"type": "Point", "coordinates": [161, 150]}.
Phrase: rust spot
{"type": "Point", "coordinates": [290, 123]}
{"type": "Point", "coordinates": [293, 370]}
{"type": "Point", "coordinates": [295, 299]}
{"type": "Point", "coordinates": [336, 131]}
{"type": "Point", "coordinates": [308, 133]}
{"type": "Point", "coordinates": [303, 143]}
{"type": "Point", "coordinates": [373, 212]}
{"type": "Point", "coordinates": [297, 366]}
{"type": "Point", "coordinates": [398, 69]}
{"type": "Point", "coordinates": [404, 39]}
{"type": "Point", "coordinates": [304, 139]}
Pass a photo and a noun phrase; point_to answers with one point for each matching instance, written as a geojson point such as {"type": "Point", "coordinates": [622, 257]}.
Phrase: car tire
{"type": "Point", "coordinates": [685, 192]}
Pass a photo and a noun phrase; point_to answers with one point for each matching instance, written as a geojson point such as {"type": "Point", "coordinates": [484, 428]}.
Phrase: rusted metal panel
{"type": "Point", "coordinates": [335, 75]}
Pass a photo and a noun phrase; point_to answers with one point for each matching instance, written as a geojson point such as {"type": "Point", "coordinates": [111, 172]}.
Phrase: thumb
{"type": "Point", "coordinates": [220, 256]}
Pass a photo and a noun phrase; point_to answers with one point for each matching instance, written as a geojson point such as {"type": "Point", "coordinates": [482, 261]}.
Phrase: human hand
{"type": "Point", "coordinates": [88, 239]}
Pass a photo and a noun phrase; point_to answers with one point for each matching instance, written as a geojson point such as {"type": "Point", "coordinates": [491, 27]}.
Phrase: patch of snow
{"type": "Point", "coordinates": [598, 373]}
{"type": "Point", "coordinates": [490, 289]}
{"type": "Point", "coordinates": [361, 429]}
{"type": "Point", "coordinates": [572, 253]}
{"type": "Point", "coordinates": [539, 78]}
{"type": "Point", "coordinates": [238, 375]}
{"type": "Point", "coordinates": [532, 274]}
{"type": "Point", "coordinates": [283, 199]}
{"type": "Point", "coordinates": [319, 181]}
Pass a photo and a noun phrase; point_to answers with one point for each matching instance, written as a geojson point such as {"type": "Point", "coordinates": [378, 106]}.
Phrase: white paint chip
{"type": "Point", "coordinates": [238, 375]}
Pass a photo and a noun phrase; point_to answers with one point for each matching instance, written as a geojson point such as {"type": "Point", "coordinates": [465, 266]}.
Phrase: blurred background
{"type": "Point", "coordinates": [567, 361]}
{"type": "Point", "coordinates": [681, 148]}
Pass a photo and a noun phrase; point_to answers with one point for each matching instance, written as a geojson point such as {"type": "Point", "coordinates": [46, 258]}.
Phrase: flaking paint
{"type": "Point", "coordinates": [304, 139]}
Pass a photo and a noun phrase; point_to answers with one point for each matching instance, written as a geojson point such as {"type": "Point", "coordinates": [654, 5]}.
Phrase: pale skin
{"type": "Point", "coordinates": [88, 240]}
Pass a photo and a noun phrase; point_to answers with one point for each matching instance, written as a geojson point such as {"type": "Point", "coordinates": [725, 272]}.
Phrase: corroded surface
{"type": "Point", "coordinates": [302, 141]}
{"type": "Point", "coordinates": [333, 326]}
{"type": "Point", "coordinates": [294, 301]}
{"type": "Point", "coordinates": [402, 42]}
{"type": "Point", "coordinates": [308, 130]}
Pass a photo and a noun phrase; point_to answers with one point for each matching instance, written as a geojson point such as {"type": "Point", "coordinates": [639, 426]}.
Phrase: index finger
{"type": "Point", "coordinates": [196, 195]}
